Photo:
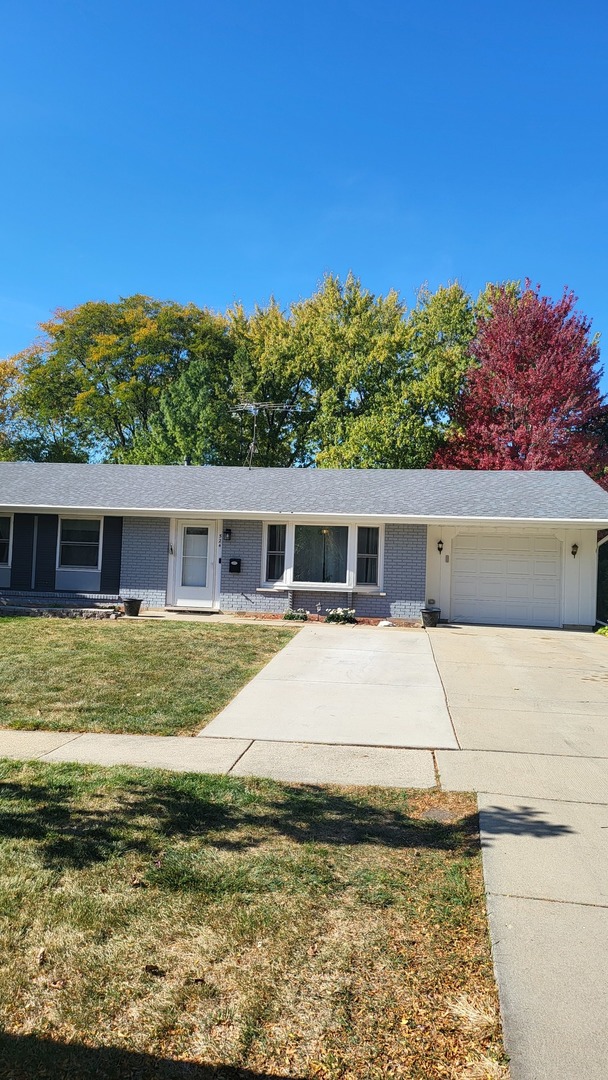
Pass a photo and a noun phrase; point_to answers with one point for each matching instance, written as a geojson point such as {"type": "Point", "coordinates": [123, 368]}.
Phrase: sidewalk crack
{"type": "Point", "coordinates": [548, 900]}
{"type": "Point", "coordinates": [242, 755]}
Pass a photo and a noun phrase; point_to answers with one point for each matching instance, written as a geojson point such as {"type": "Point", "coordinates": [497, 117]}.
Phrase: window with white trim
{"type": "Point", "coordinates": [275, 552]}
{"type": "Point", "coordinates": [367, 555]}
{"type": "Point", "coordinates": [79, 542]}
{"type": "Point", "coordinates": [5, 540]}
{"type": "Point", "coordinates": [322, 555]}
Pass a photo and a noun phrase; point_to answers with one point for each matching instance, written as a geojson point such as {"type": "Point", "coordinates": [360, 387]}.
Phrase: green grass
{"type": "Point", "coordinates": [251, 929]}
{"type": "Point", "coordinates": [166, 678]}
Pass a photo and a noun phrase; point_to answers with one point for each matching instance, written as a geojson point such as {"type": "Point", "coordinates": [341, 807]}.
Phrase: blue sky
{"type": "Point", "coordinates": [230, 151]}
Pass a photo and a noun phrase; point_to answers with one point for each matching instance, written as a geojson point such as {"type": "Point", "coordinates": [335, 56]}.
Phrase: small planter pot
{"type": "Point", "coordinates": [430, 616]}
{"type": "Point", "coordinates": [132, 606]}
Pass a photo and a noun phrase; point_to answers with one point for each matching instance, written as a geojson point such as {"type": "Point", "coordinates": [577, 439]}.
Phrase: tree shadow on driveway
{"type": "Point", "coordinates": [524, 821]}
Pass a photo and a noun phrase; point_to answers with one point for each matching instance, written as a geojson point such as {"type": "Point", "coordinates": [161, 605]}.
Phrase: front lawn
{"type": "Point", "coordinates": [165, 678]}
{"type": "Point", "coordinates": [150, 920]}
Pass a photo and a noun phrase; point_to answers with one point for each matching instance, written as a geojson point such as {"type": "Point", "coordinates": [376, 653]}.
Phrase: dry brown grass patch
{"type": "Point", "coordinates": [288, 931]}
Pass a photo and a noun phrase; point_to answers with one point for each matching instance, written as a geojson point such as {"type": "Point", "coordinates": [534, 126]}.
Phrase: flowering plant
{"type": "Point", "coordinates": [341, 615]}
{"type": "Point", "coordinates": [296, 615]}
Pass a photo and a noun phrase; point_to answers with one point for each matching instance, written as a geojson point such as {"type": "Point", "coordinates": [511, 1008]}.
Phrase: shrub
{"type": "Point", "coordinates": [341, 615]}
{"type": "Point", "coordinates": [296, 615]}
{"type": "Point", "coordinates": [603, 630]}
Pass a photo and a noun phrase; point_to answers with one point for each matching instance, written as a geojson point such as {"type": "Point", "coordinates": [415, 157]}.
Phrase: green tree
{"type": "Point", "coordinates": [269, 367]}
{"type": "Point", "coordinates": [241, 359]}
{"type": "Point", "coordinates": [357, 381]}
{"type": "Point", "coordinates": [43, 426]}
{"type": "Point", "coordinates": [386, 381]}
{"type": "Point", "coordinates": [9, 379]}
{"type": "Point", "coordinates": [193, 422]}
{"type": "Point", "coordinates": [101, 367]}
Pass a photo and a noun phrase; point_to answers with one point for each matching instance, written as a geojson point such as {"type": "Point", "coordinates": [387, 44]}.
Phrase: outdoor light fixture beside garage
{"type": "Point", "coordinates": [440, 546]}
{"type": "Point", "coordinates": [574, 550]}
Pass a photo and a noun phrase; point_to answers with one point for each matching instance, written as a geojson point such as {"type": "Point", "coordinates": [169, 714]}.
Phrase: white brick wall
{"type": "Point", "coordinates": [145, 559]}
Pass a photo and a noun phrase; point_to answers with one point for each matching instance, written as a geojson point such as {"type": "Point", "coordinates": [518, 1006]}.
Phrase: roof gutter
{"type": "Point", "coordinates": [257, 515]}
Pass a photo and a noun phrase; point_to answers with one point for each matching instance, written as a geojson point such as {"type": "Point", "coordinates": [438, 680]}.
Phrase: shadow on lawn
{"type": "Point", "coordinates": [25, 1057]}
{"type": "Point", "coordinates": [232, 814]}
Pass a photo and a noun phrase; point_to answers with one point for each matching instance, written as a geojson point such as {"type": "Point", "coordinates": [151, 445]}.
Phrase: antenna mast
{"type": "Point", "coordinates": [254, 408]}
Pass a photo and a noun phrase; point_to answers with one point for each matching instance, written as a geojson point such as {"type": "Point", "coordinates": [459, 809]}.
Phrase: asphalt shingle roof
{"type": "Point", "coordinates": [387, 493]}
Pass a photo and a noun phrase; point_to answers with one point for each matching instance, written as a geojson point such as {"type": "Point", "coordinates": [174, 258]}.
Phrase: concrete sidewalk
{"type": "Point", "coordinates": [291, 762]}
{"type": "Point", "coordinates": [546, 878]}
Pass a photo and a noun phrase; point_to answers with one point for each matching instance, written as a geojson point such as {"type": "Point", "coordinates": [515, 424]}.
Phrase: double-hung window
{"type": "Point", "coordinates": [5, 540]}
{"type": "Point", "coordinates": [79, 542]}
{"type": "Point", "coordinates": [275, 552]}
{"type": "Point", "coordinates": [367, 556]}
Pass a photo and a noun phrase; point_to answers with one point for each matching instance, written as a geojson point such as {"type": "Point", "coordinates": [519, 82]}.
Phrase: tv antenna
{"type": "Point", "coordinates": [254, 408]}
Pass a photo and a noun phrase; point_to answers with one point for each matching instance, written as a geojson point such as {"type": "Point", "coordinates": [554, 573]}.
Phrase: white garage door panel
{"type": "Point", "coordinates": [491, 566]}
{"type": "Point", "coordinates": [518, 590]}
{"type": "Point", "coordinates": [548, 567]}
{"type": "Point", "coordinates": [466, 564]}
{"type": "Point", "coordinates": [510, 580]}
{"type": "Point", "coordinates": [519, 567]}
{"type": "Point", "coordinates": [489, 590]}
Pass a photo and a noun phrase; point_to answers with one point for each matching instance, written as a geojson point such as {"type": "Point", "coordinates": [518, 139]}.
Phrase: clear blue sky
{"type": "Point", "coordinates": [234, 150]}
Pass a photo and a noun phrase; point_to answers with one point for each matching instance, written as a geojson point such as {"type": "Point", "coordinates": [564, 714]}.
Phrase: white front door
{"type": "Point", "coordinates": [195, 564]}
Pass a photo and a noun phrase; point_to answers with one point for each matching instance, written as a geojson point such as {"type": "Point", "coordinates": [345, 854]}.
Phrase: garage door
{"type": "Point", "coordinates": [508, 580]}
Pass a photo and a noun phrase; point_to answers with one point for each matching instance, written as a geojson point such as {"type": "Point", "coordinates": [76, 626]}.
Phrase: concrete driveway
{"type": "Point", "coordinates": [530, 708]}
{"type": "Point", "coordinates": [345, 685]}
{"type": "Point", "coordinates": [525, 691]}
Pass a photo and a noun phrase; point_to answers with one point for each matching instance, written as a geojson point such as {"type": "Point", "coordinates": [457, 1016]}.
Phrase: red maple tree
{"type": "Point", "coordinates": [532, 399]}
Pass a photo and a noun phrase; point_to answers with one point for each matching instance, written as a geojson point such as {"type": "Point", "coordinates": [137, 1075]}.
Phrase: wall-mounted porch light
{"type": "Point", "coordinates": [574, 550]}
{"type": "Point", "coordinates": [440, 546]}
{"type": "Point", "coordinates": [227, 534]}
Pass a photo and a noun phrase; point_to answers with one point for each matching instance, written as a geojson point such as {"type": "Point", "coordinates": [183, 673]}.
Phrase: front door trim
{"type": "Point", "coordinates": [211, 601]}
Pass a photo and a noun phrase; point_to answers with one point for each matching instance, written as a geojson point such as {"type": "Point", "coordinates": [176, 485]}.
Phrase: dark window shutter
{"type": "Point", "coordinates": [46, 551]}
{"type": "Point", "coordinates": [111, 554]}
{"type": "Point", "coordinates": [23, 550]}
